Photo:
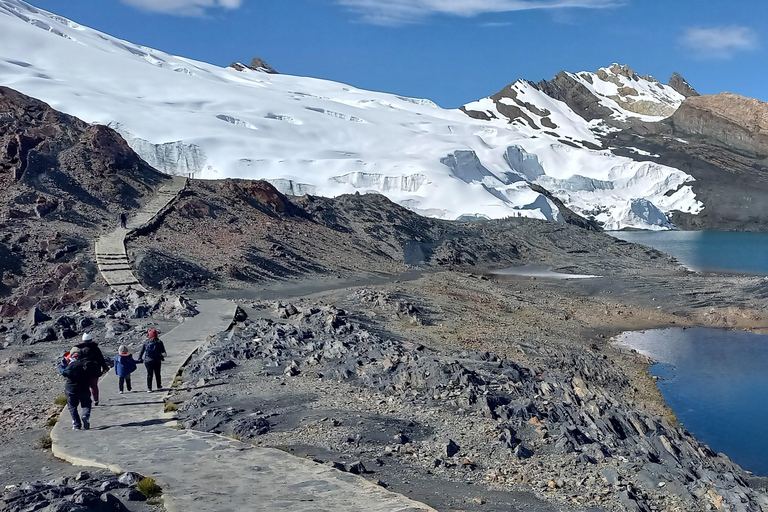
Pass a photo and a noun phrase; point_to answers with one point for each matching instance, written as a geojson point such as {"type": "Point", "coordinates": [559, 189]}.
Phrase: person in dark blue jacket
{"type": "Point", "coordinates": [77, 389]}
{"type": "Point", "coordinates": [125, 365]}
{"type": "Point", "coordinates": [152, 355]}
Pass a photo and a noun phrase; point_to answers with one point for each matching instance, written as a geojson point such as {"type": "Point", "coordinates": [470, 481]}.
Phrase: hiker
{"type": "Point", "coordinates": [125, 365]}
{"type": "Point", "coordinates": [90, 351]}
{"type": "Point", "coordinates": [123, 220]}
{"type": "Point", "coordinates": [152, 355]}
{"type": "Point", "coordinates": [78, 373]}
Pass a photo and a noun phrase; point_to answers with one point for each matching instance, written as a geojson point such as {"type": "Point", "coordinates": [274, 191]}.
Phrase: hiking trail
{"type": "Point", "coordinates": [199, 471]}
{"type": "Point", "coordinates": [111, 258]}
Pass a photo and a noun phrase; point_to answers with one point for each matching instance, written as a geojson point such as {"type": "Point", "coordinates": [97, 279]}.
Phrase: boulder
{"type": "Point", "coordinates": [35, 317]}
{"type": "Point", "coordinates": [130, 479]}
{"type": "Point", "coordinates": [451, 448]}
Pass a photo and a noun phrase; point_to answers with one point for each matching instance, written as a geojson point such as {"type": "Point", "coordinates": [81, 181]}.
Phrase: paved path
{"type": "Point", "coordinates": [207, 472]}
{"type": "Point", "coordinates": [111, 257]}
{"type": "Point", "coordinates": [199, 472]}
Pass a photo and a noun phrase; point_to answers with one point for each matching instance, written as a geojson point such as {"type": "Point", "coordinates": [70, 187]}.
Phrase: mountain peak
{"type": "Point", "coordinates": [257, 64]}
{"type": "Point", "coordinates": [681, 85]}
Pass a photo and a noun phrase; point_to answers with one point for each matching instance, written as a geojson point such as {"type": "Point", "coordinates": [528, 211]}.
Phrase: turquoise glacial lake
{"type": "Point", "coordinates": [715, 251]}
{"type": "Point", "coordinates": [716, 382]}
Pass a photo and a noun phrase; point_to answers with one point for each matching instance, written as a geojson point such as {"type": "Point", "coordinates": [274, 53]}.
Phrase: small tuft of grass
{"type": "Point", "coordinates": [177, 381]}
{"type": "Point", "coordinates": [46, 442]}
{"type": "Point", "coordinates": [149, 488]}
{"type": "Point", "coordinates": [61, 400]}
{"type": "Point", "coordinates": [236, 437]}
{"type": "Point", "coordinates": [52, 421]}
{"type": "Point", "coordinates": [171, 406]}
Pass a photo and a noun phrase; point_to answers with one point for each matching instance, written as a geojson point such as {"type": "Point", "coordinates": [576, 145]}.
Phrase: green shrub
{"type": "Point", "coordinates": [46, 442]}
{"type": "Point", "coordinates": [149, 488]}
{"type": "Point", "coordinates": [61, 400]}
{"type": "Point", "coordinates": [52, 421]}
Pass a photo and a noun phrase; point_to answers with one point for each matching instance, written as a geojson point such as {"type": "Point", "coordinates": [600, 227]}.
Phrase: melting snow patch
{"type": "Point", "coordinates": [535, 271]}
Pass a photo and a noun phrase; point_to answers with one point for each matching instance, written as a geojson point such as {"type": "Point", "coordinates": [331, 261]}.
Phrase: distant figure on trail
{"type": "Point", "coordinates": [90, 351]}
{"type": "Point", "coordinates": [78, 373]}
{"type": "Point", "coordinates": [125, 365]}
{"type": "Point", "coordinates": [123, 220]}
{"type": "Point", "coordinates": [152, 355]}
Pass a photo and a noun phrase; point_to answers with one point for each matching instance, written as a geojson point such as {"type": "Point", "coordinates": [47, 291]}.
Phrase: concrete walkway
{"type": "Point", "coordinates": [202, 472]}
{"type": "Point", "coordinates": [111, 257]}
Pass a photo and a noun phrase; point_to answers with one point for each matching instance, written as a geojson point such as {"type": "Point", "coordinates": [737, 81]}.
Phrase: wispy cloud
{"type": "Point", "coordinates": [184, 7]}
{"type": "Point", "coordinates": [401, 12]}
{"type": "Point", "coordinates": [719, 42]}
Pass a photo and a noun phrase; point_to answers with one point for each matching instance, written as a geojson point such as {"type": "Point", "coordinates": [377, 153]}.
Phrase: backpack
{"type": "Point", "coordinates": [154, 351]}
{"type": "Point", "coordinates": [92, 368]}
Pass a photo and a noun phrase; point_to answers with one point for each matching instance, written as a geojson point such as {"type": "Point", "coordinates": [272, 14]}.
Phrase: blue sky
{"type": "Point", "coordinates": [452, 51]}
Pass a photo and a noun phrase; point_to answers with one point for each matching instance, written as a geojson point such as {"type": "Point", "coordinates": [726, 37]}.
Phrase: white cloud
{"type": "Point", "coordinates": [720, 42]}
{"type": "Point", "coordinates": [184, 7]}
{"type": "Point", "coordinates": [400, 12]}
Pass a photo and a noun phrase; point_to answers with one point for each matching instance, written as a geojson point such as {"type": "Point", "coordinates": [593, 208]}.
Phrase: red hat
{"type": "Point", "coordinates": [152, 333]}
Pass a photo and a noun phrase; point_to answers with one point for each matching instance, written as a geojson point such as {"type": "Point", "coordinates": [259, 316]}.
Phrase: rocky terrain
{"type": "Point", "coordinates": [238, 233]}
{"type": "Point", "coordinates": [468, 393]}
{"type": "Point", "coordinates": [429, 375]}
{"type": "Point", "coordinates": [84, 491]}
{"type": "Point", "coordinates": [62, 182]}
{"type": "Point", "coordinates": [720, 141]}
{"type": "Point", "coordinates": [733, 121]}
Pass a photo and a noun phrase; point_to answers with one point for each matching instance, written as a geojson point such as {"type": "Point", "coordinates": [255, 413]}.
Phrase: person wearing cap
{"type": "Point", "coordinates": [90, 351]}
{"type": "Point", "coordinates": [78, 375]}
{"type": "Point", "coordinates": [125, 365]}
{"type": "Point", "coordinates": [152, 355]}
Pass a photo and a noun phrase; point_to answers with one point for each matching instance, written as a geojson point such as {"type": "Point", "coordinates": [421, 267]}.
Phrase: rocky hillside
{"type": "Point", "coordinates": [61, 182]}
{"type": "Point", "coordinates": [236, 233]}
{"type": "Point", "coordinates": [734, 121]}
{"type": "Point", "coordinates": [722, 142]}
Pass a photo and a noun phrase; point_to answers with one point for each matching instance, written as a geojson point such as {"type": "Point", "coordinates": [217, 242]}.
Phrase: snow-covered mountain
{"type": "Point", "coordinates": [315, 136]}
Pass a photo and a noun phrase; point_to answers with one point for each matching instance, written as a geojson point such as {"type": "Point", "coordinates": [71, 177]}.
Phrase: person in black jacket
{"type": "Point", "coordinates": [152, 355]}
{"type": "Point", "coordinates": [78, 374]}
{"type": "Point", "coordinates": [90, 351]}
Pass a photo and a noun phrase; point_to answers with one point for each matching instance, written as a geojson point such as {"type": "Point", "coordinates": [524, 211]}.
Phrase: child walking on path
{"type": "Point", "coordinates": [125, 365]}
{"type": "Point", "coordinates": [152, 355]}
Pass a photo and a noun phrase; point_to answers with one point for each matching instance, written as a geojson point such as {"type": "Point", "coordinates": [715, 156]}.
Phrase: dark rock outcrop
{"type": "Point", "coordinates": [257, 64]}
{"type": "Point", "coordinates": [564, 88]}
{"type": "Point", "coordinates": [569, 215]}
{"type": "Point", "coordinates": [682, 86]}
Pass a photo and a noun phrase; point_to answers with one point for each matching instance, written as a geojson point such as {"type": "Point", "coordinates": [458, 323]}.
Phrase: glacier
{"type": "Point", "coordinates": [320, 137]}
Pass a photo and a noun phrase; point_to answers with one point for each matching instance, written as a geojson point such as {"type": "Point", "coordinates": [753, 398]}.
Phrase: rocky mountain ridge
{"type": "Point", "coordinates": [615, 96]}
